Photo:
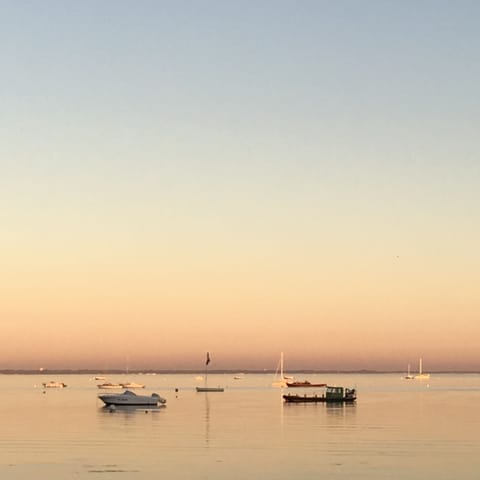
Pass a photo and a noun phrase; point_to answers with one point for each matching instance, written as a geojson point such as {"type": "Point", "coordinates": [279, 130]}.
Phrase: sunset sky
{"type": "Point", "coordinates": [242, 178]}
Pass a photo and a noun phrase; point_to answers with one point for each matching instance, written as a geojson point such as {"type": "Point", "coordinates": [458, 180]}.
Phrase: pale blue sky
{"type": "Point", "coordinates": [243, 139]}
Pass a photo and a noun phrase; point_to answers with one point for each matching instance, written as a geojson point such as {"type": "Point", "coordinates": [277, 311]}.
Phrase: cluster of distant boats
{"type": "Point", "coordinates": [130, 398]}
{"type": "Point", "coordinates": [331, 394]}
{"type": "Point", "coordinates": [418, 376]}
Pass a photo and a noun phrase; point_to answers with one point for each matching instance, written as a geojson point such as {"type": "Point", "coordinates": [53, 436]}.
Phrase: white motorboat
{"type": "Point", "coordinates": [132, 385]}
{"type": "Point", "coordinates": [130, 398]}
{"type": "Point", "coordinates": [110, 386]}
{"type": "Point", "coordinates": [53, 384]}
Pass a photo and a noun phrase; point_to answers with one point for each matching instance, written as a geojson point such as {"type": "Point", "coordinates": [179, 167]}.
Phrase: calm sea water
{"type": "Point", "coordinates": [399, 429]}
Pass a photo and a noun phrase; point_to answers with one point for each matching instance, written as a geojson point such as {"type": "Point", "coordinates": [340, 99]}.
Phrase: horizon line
{"type": "Point", "coordinates": [89, 371]}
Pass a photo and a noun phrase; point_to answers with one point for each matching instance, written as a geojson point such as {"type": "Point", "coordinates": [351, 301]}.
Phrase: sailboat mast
{"type": "Point", "coordinates": [420, 367]}
{"type": "Point", "coordinates": [281, 366]}
{"type": "Point", "coordinates": [207, 361]}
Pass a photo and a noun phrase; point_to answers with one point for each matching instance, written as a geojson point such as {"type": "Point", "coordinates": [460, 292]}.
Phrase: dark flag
{"type": "Point", "coordinates": [208, 359]}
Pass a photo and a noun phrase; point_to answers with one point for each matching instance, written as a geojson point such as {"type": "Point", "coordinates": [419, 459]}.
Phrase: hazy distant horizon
{"type": "Point", "coordinates": [219, 363]}
{"type": "Point", "coordinates": [81, 371]}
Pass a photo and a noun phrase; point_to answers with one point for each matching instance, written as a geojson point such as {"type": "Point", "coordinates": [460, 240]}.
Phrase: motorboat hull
{"type": "Point", "coordinates": [130, 398]}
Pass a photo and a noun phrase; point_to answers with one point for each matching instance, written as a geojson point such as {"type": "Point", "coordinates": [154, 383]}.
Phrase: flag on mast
{"type": "Point", "coordinates": [208, 359]}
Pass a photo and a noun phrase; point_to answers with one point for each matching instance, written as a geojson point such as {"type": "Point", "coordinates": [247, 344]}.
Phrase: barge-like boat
{"type": "Point", "coordinates": [332, 395]}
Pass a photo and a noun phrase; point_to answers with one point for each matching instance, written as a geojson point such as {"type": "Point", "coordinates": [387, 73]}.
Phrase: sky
{"type": "Point", "coordinates": [244, 178]}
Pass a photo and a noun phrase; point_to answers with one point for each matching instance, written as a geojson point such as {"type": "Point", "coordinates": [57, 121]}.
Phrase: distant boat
{"type": "Point", "coordinates": [332, 395]}
{"type": "Point", "coordinates": [280, 379]}
{"type": "Point", "coordinates": [421, 375]}
{"type": "Point", "coordinates": [110, 386]}
{"type": "Point", "coordinates": [132, 385]}
{"type": "Point", "coordinates": [53, 384]}
{"type": "Point", "coordinates": [239, 376]}
{"type": "Point", "coordinates": [206, 388]}
{"type": "Point", "coordinates": [209, 389]}
{"type": "Point", "coordinates": [409, 376]}
{"type": "Point", "coordinates": [100, 378]}
{"type": "Point", "coordinates": [305, 383]}
{"type": "Point", "coordinates": [131, 398]}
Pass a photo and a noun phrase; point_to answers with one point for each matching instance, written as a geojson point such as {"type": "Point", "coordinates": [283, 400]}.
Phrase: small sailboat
{"type": "Point", "coordinates": [206, 388]}
{"type": "Point", "coordinates": [280, 379]}
{"type": "Point", "coordinates": [420, 375]}
{"type": "Point", "coordinates": [409, 376]}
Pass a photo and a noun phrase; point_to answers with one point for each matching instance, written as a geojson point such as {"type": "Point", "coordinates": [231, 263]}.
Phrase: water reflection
{"type": "Point", "coordinates": [207, 419]}
{"type": "Point", "coordinates": [341, 408]}
{"type": "Point", "coordinates": [340, 415]}
{"type": "Point", "coordinates": [329, 415]}
{"type": "Point", "coordinates": [246, 434]}
{"type": "Point", "coordinates": [132, 408]}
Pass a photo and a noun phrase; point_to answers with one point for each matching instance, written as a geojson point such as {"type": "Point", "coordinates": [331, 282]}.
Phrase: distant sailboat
{"type": "Point", "coordinates": [409, 376]}
{"type": "Point", "coordinates": [421, 375]}
{"type": "Point", "coordinates": [206, 388]}
{"type": "Point", "coordinates": [280, 379]}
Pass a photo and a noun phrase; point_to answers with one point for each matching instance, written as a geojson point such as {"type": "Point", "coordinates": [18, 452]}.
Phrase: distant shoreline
{"type": "Point", "coordinates": [226, 372]}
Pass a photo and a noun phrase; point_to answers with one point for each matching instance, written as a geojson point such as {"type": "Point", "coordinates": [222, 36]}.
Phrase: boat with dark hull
{"type": "Point", "coordinates": [332, 395]}
{"type": "Point", "coordinates": [304, 384]}
{"type": "Point", "coordinates": [209, 389]}
{"type": "Point", "coordinates": [206, 388]}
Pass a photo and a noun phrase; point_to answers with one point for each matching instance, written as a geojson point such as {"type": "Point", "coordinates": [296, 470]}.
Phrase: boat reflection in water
{"type": "Point", "coordinates": [131, 409]}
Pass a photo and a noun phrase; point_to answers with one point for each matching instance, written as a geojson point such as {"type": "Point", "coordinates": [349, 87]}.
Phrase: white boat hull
{"type": "Point", "coordinates": [54, 385]}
